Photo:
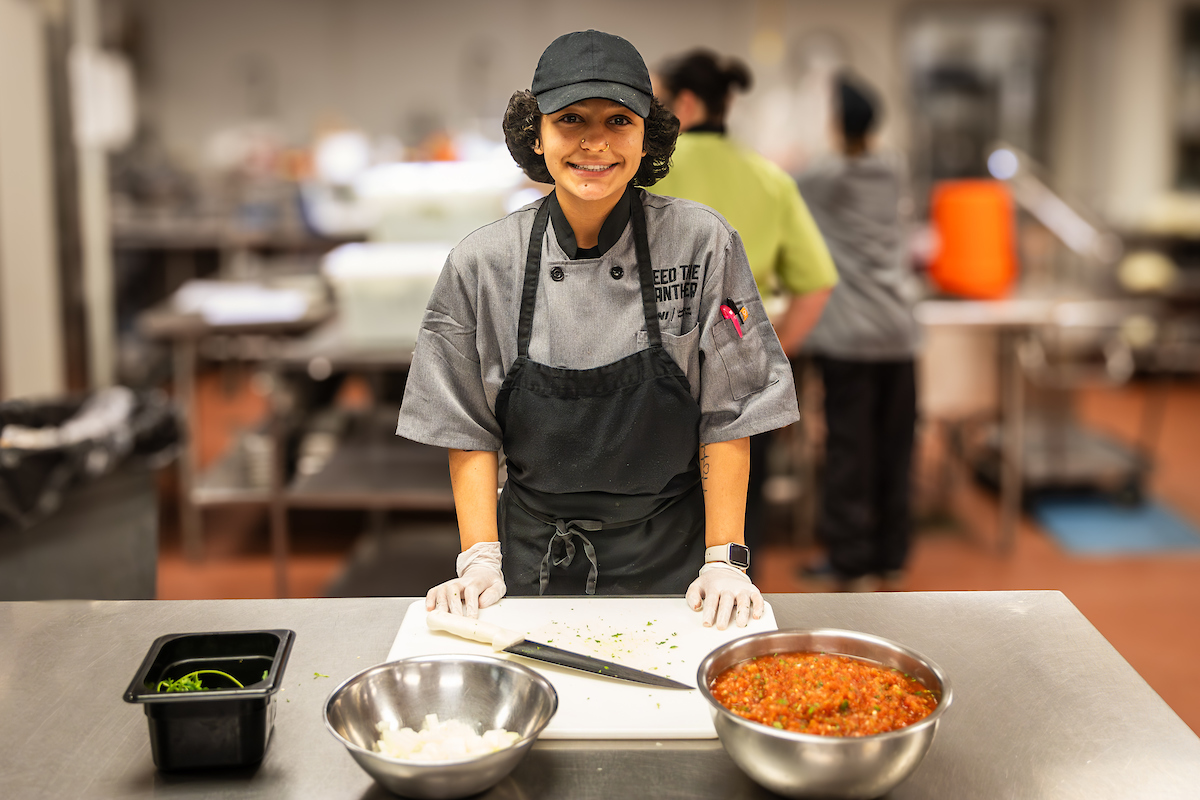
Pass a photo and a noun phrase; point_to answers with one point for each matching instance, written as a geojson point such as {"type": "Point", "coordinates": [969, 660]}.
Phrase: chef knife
{"type": "Point", "coordinates": [510, 641]}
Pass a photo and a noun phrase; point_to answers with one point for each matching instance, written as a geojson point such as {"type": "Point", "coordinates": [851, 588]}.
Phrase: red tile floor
{"type": "Point", "coordinates": [1146, 606]}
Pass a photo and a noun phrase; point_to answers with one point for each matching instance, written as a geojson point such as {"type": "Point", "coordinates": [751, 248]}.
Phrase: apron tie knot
{"type": "Point", "coordinates": [565, 532]}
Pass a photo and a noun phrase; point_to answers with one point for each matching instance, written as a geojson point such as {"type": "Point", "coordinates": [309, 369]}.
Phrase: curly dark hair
{"type": "Point", "coordinates": [523, 125]}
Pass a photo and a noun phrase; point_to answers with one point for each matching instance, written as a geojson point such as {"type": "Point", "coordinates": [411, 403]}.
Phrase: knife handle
{"type": "Point", "coordinates": [468, 628]}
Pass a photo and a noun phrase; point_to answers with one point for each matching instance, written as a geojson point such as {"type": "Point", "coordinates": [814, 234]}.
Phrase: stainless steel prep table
{"type": "Point", "coordinates": [1043, 706]}
{"type": "Point", "coordinates": [1014, 319]}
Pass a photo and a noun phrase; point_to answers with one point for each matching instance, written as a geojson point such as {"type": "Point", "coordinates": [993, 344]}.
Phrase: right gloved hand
{"type": "Point", "coordinates": [479, 584]}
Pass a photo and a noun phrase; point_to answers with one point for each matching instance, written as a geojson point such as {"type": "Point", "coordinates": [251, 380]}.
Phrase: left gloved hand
{"type": "Point", "coordinates": [720, 589]}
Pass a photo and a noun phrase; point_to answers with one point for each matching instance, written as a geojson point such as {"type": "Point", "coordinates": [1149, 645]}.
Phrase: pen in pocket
{"type": "Point", "coordinates": [732, 316]}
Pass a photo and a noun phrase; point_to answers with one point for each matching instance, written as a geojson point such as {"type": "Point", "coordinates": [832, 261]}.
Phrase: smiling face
{"type": "Point", "coordinates": [593, 148]}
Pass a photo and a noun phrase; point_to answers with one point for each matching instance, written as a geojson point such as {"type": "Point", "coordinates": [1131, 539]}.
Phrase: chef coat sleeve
{"type": "Point", "coordinates": [444, 399]}
{"type": "Point", "coordinates": [746, 381]}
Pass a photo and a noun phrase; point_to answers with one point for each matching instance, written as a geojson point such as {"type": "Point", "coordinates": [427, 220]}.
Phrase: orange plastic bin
{"type": "Point", "coordinates": [976, 255]}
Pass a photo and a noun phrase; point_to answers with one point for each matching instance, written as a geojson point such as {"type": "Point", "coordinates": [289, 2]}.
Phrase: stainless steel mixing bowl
{"type": "Point", "coordinates": [806, 765]}
{"type": "Point", "coordinates": [483, 691]}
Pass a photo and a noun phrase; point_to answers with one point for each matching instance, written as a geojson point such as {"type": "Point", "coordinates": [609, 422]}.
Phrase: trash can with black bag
{"type": "Point", "coordinates": [78, 494]}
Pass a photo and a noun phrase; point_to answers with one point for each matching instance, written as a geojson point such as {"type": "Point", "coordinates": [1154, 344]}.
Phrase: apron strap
{"type": "Point", "coordinates": [565, 531]}
{"type": "Point", "coordinates": [513, 489]}
{"type": "Point", "coordinates": [533, 265]}
{"type": "Point", "coordinates": [641, 246]}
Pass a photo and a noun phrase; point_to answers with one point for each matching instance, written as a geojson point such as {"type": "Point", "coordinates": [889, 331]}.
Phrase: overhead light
{"type": "Point", "coordinates": [1003, 164]}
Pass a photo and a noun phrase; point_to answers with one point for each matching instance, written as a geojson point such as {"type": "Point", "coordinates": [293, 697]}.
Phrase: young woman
{"type": "Point", "coordinates": [612, 344]}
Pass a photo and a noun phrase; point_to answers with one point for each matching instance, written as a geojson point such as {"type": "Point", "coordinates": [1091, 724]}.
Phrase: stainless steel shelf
{"type": "Point", "coordinates": [381, 472]}
{"type": "Point", "coordinates": [226, 483]}
{"type": "Point", "coordinates": [1062, 454]}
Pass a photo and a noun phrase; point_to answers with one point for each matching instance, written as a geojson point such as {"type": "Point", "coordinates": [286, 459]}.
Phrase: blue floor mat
{"type": "Point", "coordinates": [1098, 526]}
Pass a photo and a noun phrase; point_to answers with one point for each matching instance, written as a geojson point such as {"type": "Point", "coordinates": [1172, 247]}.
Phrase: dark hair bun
{"type": "Point", "coordinates": [708, 76]}
{"type": "Point", "coordinates": [737, 74]}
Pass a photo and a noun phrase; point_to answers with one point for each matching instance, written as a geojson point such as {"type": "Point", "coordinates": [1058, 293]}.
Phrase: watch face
{"type": "Point", "coordinates": [739, 555]}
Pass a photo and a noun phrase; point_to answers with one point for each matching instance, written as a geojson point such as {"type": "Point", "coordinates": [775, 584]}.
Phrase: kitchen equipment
{"type": "Point", "coordinates": [382, 288]}
{"type": "Point", "coordinates": [510, 641]}
{"type": "Point", "coordinates": [482, 691]}
{"type": "Point", "coordinates": [805, 765]}
{"type": "Point", "coordinates": [661, 635]}
{"type": "Point", "coordinates": [223, 725]}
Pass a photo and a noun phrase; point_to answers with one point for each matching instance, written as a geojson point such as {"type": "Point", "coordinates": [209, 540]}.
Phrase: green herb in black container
{"type": "Point", "coordinates": [210, 697]}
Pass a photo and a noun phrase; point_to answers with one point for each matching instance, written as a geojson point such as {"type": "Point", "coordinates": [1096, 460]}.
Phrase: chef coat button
{"type": "Point", "coordinates": [617, 273]}
{"type": "Point", "coordinates": [557, 274]}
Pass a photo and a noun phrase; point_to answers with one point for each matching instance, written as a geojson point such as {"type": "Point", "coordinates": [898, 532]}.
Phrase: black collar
{"type": "Point", "coordinates": [610, 231]}
{"type": "Point", "coordinates": [707, 127]}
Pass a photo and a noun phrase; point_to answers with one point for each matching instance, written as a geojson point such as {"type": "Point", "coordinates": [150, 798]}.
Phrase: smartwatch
{"type": "Point", "coordinates": [736, 554]}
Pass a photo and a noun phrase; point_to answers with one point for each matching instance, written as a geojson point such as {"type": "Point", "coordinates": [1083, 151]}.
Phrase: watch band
{"type": "Point", "coordinates": [736, 554]}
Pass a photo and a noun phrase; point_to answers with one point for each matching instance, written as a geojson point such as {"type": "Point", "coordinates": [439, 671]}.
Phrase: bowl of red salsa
{"type": "Point", "coordinates": [824, 712]}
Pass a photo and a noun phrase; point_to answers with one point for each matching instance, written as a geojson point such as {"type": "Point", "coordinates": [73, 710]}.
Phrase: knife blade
{"type": "Point", "coordinates": [509, 641]}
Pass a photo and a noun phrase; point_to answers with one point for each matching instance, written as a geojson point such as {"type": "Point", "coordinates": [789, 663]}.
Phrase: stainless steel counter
{"type": "Point", "coordinates": [1043, 706]}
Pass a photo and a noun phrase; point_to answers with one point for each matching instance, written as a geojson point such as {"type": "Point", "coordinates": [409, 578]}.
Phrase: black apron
{"type": "Point", "coordinates": [603, 492]}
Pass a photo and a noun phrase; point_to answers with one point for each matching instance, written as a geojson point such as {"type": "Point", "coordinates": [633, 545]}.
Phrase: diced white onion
{"type": "Point", "coordinates": [451, 740]}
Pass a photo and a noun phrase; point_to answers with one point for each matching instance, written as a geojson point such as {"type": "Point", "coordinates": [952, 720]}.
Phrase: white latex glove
{"type": "Point", "coordinates": [480, 582]}
{"type": "Point", "coordinates": [719, 590]}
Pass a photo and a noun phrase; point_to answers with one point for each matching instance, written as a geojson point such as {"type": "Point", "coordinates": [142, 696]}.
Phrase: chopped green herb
{"type": "Point", "coordinates": [191, 682]}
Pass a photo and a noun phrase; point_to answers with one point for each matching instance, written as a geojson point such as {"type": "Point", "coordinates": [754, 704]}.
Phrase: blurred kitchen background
{"type": "Point", "coordinates": [220, 222]}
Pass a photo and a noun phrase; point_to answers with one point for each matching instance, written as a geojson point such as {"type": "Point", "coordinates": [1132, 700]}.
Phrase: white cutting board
{"type": "Point", "coordinates": [657, 634]}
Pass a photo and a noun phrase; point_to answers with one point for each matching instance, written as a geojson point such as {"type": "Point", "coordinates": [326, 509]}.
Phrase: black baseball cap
{"type": "Point", "coordinates": [586, 64]}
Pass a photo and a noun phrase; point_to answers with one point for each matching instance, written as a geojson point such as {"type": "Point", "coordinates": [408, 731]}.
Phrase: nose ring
{"type": "Point", "coordinates": [583, 142]}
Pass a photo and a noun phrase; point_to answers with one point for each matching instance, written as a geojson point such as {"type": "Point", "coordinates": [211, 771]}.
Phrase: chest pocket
{"type": "Point", "coordinates": [684, 349]}
{"type": "Point", "coordinates": [745, 363]}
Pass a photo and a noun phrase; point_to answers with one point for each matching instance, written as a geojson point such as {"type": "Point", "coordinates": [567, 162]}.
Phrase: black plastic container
{"type": "Point", "coordinates": [221, 726]}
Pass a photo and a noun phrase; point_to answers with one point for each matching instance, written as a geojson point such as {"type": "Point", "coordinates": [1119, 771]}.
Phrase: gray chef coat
{"type": "Point", "coordinates": [591, 315]}
{"type": "Point", "coordinates": [856, 204]}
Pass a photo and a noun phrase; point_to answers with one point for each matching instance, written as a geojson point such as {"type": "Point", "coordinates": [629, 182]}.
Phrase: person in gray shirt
{"type": "Point", "coordinates": [613, 345]}
{"type": "Point", "coordinates": [864, 346]}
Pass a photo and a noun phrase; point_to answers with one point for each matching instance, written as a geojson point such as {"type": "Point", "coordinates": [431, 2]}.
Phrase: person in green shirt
{"type": "Point", "coordinates": [783, 244]}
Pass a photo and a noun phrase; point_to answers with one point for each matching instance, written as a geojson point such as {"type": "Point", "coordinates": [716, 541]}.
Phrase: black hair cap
{"type": "Point", "coordinates": [857, 104]}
